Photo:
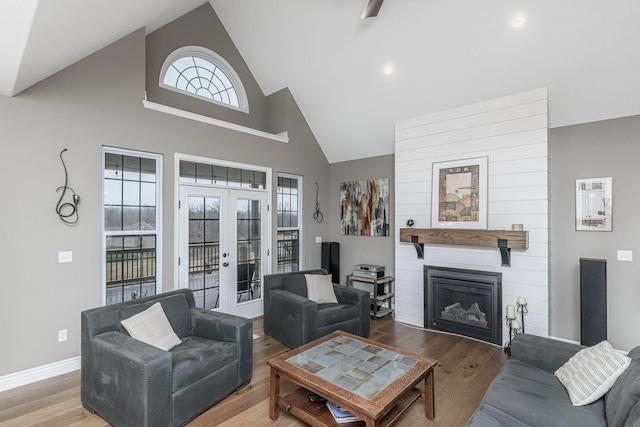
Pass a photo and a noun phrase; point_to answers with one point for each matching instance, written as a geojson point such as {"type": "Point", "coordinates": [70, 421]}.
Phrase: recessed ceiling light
{"type": "Point", "coordinates": [518, 21]}
{"type": "Point", "coordinates": [387, 69]}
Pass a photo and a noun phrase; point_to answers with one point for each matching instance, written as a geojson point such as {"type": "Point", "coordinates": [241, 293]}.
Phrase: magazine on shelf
{"type": "Point", "coordinates": [340, 414]}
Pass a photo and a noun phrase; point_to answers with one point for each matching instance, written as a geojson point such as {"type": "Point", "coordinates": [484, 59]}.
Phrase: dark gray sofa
{"type": "Point", "coordinates": [293, 319]}
{"type": "Point", "coordinates": [130, 383]}
{"type": "Point", "coordinates": [526, 393]}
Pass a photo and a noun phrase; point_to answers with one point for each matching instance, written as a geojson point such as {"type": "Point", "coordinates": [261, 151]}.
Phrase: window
{"type": "Point", "coordinates": [131, 224]}
{"type": "Point", "coordinates": [289, 203]}
{"type": "Point", "coordinates": [204, 74]}
{"type": "Point", "coordinates": [225, 176]}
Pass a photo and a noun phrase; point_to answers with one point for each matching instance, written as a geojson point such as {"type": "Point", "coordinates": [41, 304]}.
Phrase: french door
{"type": "Point", "coordinates": [224, 247]}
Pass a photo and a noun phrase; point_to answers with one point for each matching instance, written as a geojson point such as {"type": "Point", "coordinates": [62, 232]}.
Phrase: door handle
{"type": "Point", "coordinates": [225, 264]}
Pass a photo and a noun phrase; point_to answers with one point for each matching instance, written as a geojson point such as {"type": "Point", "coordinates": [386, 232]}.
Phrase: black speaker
{"type": "Point", "coordinates": [331, 260]}
{"type": "Point", "coordinates": [593, 301]}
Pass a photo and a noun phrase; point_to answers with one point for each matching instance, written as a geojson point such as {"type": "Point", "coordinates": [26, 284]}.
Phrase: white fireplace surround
{"type": "Point", "coordinates": [512, 132]}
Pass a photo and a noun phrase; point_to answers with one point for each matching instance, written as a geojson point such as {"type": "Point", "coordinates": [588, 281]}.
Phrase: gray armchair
{"type": "Point", "coordinates": [294, 320]}
{"type": "Point", "coordinates": [130, 383]}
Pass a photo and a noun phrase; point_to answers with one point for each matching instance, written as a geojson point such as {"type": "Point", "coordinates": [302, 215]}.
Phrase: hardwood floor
{"type": "Point", "coordinates": [465, 369]}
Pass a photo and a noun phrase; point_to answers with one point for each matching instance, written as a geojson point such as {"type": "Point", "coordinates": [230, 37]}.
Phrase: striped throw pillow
{"type": "Point", "coordinates": [591, 372]}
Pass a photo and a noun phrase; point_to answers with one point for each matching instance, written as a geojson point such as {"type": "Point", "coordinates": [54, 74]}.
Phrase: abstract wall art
{"type": "Point", "coordinates": [364, 207]}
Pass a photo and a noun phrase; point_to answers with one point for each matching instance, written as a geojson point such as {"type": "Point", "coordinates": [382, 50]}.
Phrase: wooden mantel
{"type": "Point", "coordinates": [466, 237]}
{"type": "Point", "coordinates": [505, 240]}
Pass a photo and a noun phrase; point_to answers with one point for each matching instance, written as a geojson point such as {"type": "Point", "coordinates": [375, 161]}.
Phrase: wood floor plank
{"type": "Point", "coordinates": [464, 371]}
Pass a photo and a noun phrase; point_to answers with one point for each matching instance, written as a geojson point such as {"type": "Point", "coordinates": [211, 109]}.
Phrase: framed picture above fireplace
{"type": "Point", "coordinates": [459, 194]}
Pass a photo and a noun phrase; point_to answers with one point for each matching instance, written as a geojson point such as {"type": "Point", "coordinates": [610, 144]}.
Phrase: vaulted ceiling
{"type": "Point", "coordinates": [444, 54]}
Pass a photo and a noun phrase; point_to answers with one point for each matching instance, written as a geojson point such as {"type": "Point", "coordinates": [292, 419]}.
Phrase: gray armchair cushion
{"type": "Point", "coordinates": [175, 308]}
{"type": "Point", "coordinates": [297, 284]}
{"type": "Point", "coordinates": [197, 357]}
{"type": "Point", "coordinates": [625, 393]}
{"type": "Point", "coordinates": [331, 313]}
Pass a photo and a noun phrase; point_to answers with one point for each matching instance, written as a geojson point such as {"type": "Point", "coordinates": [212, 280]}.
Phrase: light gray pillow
{"type": "Point", "coordinates": [591, 372]}
{"type": "Point", "coordinates": [320, 288]}
{"type": "Point", "coordinates": [152, 327]}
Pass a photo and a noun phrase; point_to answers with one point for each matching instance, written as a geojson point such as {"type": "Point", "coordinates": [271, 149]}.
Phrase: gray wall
{"type": "Point", "coordinates": [97, 102]}
{"type": "Point", "coordinates": [354, 250]}
{"type": "Point", "coordinates": [201, 27]}
{"type": "Point", "coordinates": [593, 150]}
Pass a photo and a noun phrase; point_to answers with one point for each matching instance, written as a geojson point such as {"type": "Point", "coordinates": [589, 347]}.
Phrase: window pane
{"type": "Point", "coordinates": [113, 218]}
{"type": "Point", "coordinates": [148, 170]}
{"type": "Point", "coordinates": [220, 175]}
{"type": "Point", "coordinates": [171, 77]}
{"type": "Point", "coordinates": [148, 218]}
{"type": "Point", "coordinates": [130, 218]}
{"type": "Point", "coordinates": [196, 231]}
{"type": "Point", "coordinates": [211, 231]}
{"type": "Point", "coordinates": [130, 193]}
{"type": "Point", "coordinates": [187, 171]}
{"type": "Point", "coordinates": [212, 208]}
{"type": "Point", "coordinates": [196, 207]}
{"type": "Point", "coordinates": [113, 166]}
{"type": "Point", "coordinates": [204, 173]}
{"type": "Point", "coordinates": [112, 192]}
{"type": "Point", "coordinates": [147, 194]}
{"type": "Point", "coordinates": [235, 177]}
{"type": "Point", "coordinates": [131, 168]}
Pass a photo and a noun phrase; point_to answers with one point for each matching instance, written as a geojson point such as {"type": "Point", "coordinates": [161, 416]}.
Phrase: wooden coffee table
{"type": "Point", "coordinates": [374, 381]}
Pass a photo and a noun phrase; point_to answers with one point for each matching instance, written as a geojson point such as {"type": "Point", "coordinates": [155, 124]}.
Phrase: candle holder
{"type": "Point", "coordinates": [522, 309]}
{"type": "Point", "coordinates": [507, 347]}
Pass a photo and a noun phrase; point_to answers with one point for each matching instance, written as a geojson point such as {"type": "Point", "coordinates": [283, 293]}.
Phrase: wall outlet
{"type": "Point", "coordinates": [318, 239]}
{"type": "Point", "coordinates": [65, 256]}
{"type": "Point", "coordinates": [625, 255]}
{"type": "Point", "coordinates": [62, 335]}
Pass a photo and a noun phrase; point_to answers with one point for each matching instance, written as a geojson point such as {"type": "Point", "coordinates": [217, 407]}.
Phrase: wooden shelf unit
{"type": "Point", "coordinates": [377, 299]}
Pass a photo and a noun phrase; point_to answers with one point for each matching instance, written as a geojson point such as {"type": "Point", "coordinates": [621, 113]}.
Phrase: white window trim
{"type": "Point", "coordinates": [158, 231]}
{"type": "Point", "coordinates": [208, 160]}
{"type": "Point", "coordinates": [217, 60]}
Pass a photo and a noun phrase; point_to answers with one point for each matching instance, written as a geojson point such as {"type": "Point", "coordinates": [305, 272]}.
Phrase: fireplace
{"type": "Point", "coordinates": [465, 302]}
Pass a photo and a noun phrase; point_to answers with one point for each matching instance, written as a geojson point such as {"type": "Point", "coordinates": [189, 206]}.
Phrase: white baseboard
{"type": "Point", "coordinates": [39, 373]}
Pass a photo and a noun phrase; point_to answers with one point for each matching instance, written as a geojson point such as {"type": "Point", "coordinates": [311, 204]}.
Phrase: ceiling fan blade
{"type": "Point", "coordinates": [372, 9]}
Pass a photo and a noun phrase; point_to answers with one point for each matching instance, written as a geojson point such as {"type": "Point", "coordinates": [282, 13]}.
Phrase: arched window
{"type": "Point", "coordinates": [203, 73]}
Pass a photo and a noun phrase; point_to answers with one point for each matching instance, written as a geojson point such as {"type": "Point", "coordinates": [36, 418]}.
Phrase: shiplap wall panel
{"type": "Point", "coordinates": [472, 109]}
{"type": "Point", "coordinates": [503, 115]}
{"type": "Point", "coordinates": [512, 132]}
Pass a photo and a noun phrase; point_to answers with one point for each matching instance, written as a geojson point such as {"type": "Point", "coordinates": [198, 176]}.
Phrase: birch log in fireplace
{"type": "Point", "coordinates": [465, 302]}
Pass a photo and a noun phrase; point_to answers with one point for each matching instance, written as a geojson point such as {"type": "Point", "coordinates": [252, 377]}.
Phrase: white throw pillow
{"type": "Point", "coordinates": [320, 288]}
{"type": "Point", "coordinates": [591, 372]}
{"type": "Point", "coordinates": [152, 327]}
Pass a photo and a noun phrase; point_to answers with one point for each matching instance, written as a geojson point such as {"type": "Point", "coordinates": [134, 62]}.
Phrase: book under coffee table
{"type": "Point", "coordinates": [374, 381]}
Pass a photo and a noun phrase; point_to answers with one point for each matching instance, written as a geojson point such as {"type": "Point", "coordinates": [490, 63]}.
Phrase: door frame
{"type": "Point", "coordinates": [267, 263]}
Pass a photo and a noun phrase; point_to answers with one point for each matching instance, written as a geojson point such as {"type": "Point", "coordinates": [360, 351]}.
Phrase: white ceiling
{"type": "Point", "coordinates": [445, 53]}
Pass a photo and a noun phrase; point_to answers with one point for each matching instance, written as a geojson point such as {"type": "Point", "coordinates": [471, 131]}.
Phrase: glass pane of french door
{"type": "Point", "coordinates": [249, 248]}
{"type": "Point", "coordinates": [204, 250]}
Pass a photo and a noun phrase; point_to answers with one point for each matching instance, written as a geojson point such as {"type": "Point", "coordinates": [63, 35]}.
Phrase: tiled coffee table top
{"type": "Point", "coordinates": [358, 367]}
